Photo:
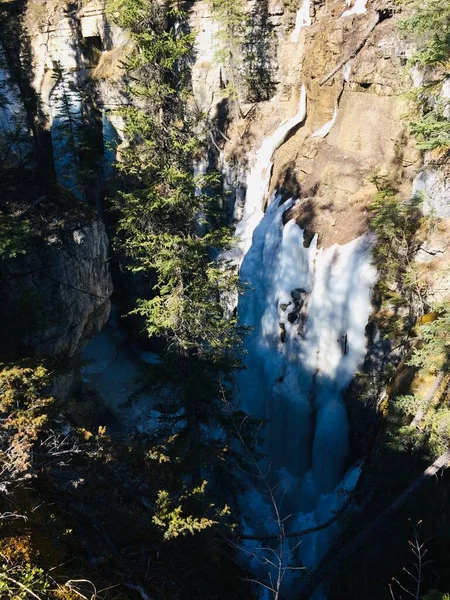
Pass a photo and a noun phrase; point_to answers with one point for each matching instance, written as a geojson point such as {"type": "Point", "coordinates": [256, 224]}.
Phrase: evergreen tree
{"type": "Point", "coordinates": [258, 54]}
{"type": "Point", "coordinates": [245, 42]}
{"type": "Point", "coordinates": [397, 226]}
{"type": "Point", "coordinates": [433, 352]}
{"type": "Point", "coordinates": [232, 18]}
{"type": "Point", "coordinates": [14, 233]}
{"type": "Point", "coordinates": [158, 229]}
{"type": "Point", "coordinates": [427, 26]}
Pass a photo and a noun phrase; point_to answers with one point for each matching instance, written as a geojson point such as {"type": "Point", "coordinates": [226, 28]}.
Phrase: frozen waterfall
{"type": "Point", "coordinates": [302, 20]}
{"type": "Point", "coordinates": [259, 180]}
{"type": "Point", "coordinates": [308, 309]}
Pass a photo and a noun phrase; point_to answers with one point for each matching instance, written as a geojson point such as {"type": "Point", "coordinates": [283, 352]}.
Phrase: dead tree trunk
{"type": "Point", "coordinates": [333, 561]}
{"type": "Point", "coordinates": [428, 398]}
{"type": "Point", "coordinates": [359, 47]}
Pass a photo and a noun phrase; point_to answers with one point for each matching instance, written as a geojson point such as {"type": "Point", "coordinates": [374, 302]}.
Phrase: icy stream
{"type": "Point", "coordinates": [115, 369]}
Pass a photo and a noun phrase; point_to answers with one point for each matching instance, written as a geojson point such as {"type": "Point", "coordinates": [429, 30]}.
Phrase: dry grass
{"type": "Point", "coordinates": [110, 65]}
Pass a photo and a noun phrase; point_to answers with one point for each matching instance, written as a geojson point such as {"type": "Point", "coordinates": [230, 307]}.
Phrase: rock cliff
{"type": "Point", "coordinates": [57, 293]}
{"type": "Point", "coordinates": [352, 61]}
{"type": "Point", "coordinates": [354, 126]}
{"type": "Point", "coordinates": [322, 125]}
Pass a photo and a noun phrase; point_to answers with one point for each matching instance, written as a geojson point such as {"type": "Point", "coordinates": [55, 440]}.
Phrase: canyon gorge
{"type": "Point", "coordinates": [307, 463]}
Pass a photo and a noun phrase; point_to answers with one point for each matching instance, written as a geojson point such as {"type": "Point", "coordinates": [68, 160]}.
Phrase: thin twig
{"type": "Point", "coordinates": [302, 532]}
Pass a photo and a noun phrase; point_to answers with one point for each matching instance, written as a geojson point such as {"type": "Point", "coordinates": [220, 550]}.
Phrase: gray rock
{"type": "Point", "coordinates": [57, 294]}
{"type": "Point", "coordinates": [292, 316]}
{"type": "Point", "coordinates": [429, 252]}
{"type": "Point", "coordinates": [435, 188]}
{"type": "Point", "coordinates": [298, 294]}
{"type": "Point", "coordinates": [301, 327]}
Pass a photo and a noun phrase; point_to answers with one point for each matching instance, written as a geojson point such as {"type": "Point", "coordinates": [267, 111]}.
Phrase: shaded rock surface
{"type": "Point", "coordinates": [57, 294]}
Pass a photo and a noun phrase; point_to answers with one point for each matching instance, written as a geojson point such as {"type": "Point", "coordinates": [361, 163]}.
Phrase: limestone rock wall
{"type": "Point", "coordinates": [354, 126]}
{"type": "Point", "coordinates": [77, 50]}
{"type": "Point", "coordinates": [80, 38]}
{"type": "Point", "coordinates": [57, 293]}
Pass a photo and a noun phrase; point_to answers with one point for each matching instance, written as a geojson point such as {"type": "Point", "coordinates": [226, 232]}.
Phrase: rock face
{"type": "Point", "coordinates": [434, 184]}
{"type": "Point", "coordinates": [354, 126]}
{"type": "Point", "coordinates": [77, 39]}
{"type": "Point", "coordinates": [57, 294]}
{"type": "Point", "coordinates": [76, 53]}
{"type": "Point", "coordinates": [353, 129]}
{"type": "Point", "coordinates": [205, 71]}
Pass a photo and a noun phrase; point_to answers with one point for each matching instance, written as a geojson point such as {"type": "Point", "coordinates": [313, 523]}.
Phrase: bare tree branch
{"type": "Point", "coordinates": [359, 47]}
{"type": "Point", "coordinates": [302, 532]}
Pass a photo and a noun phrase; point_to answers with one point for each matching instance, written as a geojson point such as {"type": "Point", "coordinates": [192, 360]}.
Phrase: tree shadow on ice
{"type": "Point", "coordinates": [334, 314]}
{"type": "Point", "coordinates": [259, 54]}
{"type": "Point", "coordinates": [303, 404]}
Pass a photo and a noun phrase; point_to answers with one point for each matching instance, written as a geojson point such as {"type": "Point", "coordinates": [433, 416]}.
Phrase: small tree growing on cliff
{"type": "Point", "coordinates": [258, 54]}
{"type": "Point", "coordinates": [434, 351]}
{"type": "Point", "coordinates": [426, 25]}
{"type": "Point", "coordinates": [244, 50]}
{"type": "Point", "coordinates": [396, 224]}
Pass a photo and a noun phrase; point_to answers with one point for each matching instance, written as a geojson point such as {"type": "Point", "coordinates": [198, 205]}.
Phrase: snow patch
{"type": "Point", "coordinates": [347, 71]}
{"type": "Point", "coordinates": [325, 129]}
{"type": "Point", "coordinates": [302, 19]}
{"type": "Point", "coordinates": [417, 76]}
{"type": "Point", "coordinates": [112, 368]}
{"type": "Point", "coordinates": [358, 8]}
{"type": "Point", "coordinates": [78, 237]}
